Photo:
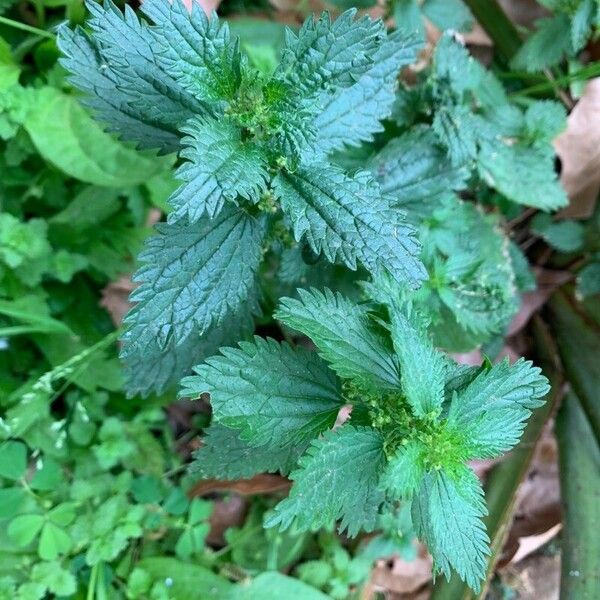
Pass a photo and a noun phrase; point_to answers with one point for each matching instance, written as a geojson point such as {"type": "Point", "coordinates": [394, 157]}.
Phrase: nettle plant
{"type": "Point", "coordinates": [417, 418]}
{"type": "Point", "coordinates": [271, 198]}
{"type": "Point", "coordinates": [254, 163]}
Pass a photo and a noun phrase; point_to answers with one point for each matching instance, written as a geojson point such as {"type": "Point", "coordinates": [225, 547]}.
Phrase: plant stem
{"type": "Point", "coordinates": [24, 27]}
{"type": "Point", "coordinates": [578, 338]}
{"type": "Point", "coordinates": [579, 456]}
{"type": "Point", "coordinates": [498, 26]}
{"type": "Point", "coordinates": [587, 73]}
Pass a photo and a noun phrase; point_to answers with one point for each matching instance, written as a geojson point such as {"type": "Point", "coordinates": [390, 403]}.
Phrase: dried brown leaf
{"type": "Point", "coordinates": [579, 150]}
{"type": "Point", "coordinates": [400, 576]}
{"type": "Point", "coordinates": [256, 486]}
{"type": "Point", "coordinates": [115, 298]}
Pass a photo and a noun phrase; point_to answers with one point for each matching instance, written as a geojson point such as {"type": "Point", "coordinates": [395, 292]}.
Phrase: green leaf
{"type": "Point", "coordinates": [153, 370]}
{"type": "Point", "coordinates": [194, 275]}
{"type": "Point", "coordinates": [13, 460]}
{"type": "Point", "coordinates": [272, 584]}
{"type": "Point", "coordinates": [121, 49]}
{"type": "Point", "coordinates": [219, 167]}
{"type": "Point", "coordinates": [12, 501]}
{"type": "Point", "coordinates": [116, 106]}
{"type": "Point", "coordinates": [54, 541]}
{"type": "Point", "coordinates": [458, 129]}
{"type": "Point", "coordinates": [422, 367]}
{"type": "Point", "coordinates": [223, 455]}
{"type": "Point", "coordinates": [147, 489]}
{"type": "Point", "coordinates": [414, 171]}
{"type": "Point", "coordinates": [191, 541]}
{"type": "Point", "coordinates": [491, 412]}
{"type": "Point", "coordinates": [408, 18]}
{"type": "Point", "coordinates": [565, 236]}
{"type": "Point", "coordinates": [57, 580]}
{"type": "Point", "coordinates": [454, 69]}
{"type": "Point", "coordinates": [180, 579]}
{"type": "Point", "coordinates": [48, 475]}
{"type": "Point", "coordinates": [448, 14]}
{"type": "Point", "coordinates": [348, 219]}
{"type": "Point", "coordinates": [353, 115]}
{"type": "Point", "coordinates": [23, 529]}
{"type": "Point", "coordinates": [62, 514]}
{"type": "Point", "coordinates": [337, 478]}
{"type": "Point", "coordinates": [326, 54]}
{"type": "Point", "coordinates": [33, 313]}
{"type": "Point", "coordinates": [345, 335]}
{"type": "Point", "coordinates": [447, 515]}
{"type": "Point", "coordinates": [544, 120]}
{"type": "Point", "coordinates": [195, 50]}
{"type": "Point", "coordinates": [588, 280]}
{"type": "Point", "coordinates": [274, 395]}
{"type": "Point", "coordinates": [524, 174]}
{"type": "Point", "coordinates": [404, 471]}
{"type": "Point", "coordinates": [176, 503]}
{"type": "Point", "coordinates": [581, 23]}
{"type": "Point", "coordinates": [546, 46]}
{"type": "Point", "coordinates": [66, 136]}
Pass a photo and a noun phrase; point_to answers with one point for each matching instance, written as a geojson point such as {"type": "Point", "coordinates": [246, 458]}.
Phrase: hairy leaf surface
{"type": "Point", "coordinates": [404, 471]}
{"type": "Point", "coordinates": [274, 395]}
{"type": "Point", "coordinates": [337, 479]}
{"type": "Point", "coordinates": [345, 336]}
{"type": "Point", "coordinates": [524, 174]}
{"type": "Point", "coordinates": [329, 54]}
{"type": "Point", "coordinates": [422, 367]}
{"type": "Point", "coordinates": [194, 274]}
{"type": "Point", "coordinates": [347, 218]}
{"type": "Point", "coordinates": [219, 167]}
{"type": "Point", "coordinates": [352, 115]}
{"type": "Point", "coordinates": [113, 106]}
{"type": "Point", "coordinates": [223, 455]}
{"type": "Point", "coordinates": [447, 513]}
{"type": "Point", "coordinates": [414, 170]}
{"type": "Point", "coordinates": [153, 370]}
{"type": "Point", "coordinates": [195, 50]}
{"type": "Point", "coordinates": [491, 412]}
{"type": "Point", "coordinates": [125, 56]}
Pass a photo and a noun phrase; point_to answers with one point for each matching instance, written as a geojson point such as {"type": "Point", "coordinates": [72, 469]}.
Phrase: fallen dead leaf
{"type": "Point", "coordinates": [530, 543]}
{"type": "Point", "coordinates": [115, 298]}
{"type": "Point", "coordinates": [538, 501]}
{"type": "Point", "coordinates": [400, 576]}
{"type": "Point", "coordinates": [579, 150]}
{"type": "Point", "coordinates": [535, 578]}
{"type": "Point", "coordinates": [547, 281]}
{"type": "Point", "coordinates": [523, 12]}
{"type": "Point", "coordinates": [227, 512]}
{"type": "Point", "coordinates": [258, 485]}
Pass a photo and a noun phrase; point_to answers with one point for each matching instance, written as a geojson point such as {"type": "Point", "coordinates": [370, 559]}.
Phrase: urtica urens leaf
{"type": "Point", "coordinates": [196, 50]}
{"type": "Point", "coordinates": [223, 455]}
{"type": "Point", "coordinates": [347, 218]}
{"type": "Point", "coordinates": [345, 336]}
{"type": "Point", "coordinates": [219, 168]}
{"type": "Point", "coordinates": [353, 114]}
{"type": "Point", "coordinates": [491, 412]}
{"type": "Point", "coordinates": [447, 514]}
{"type": "Point", "coordinates": [274, 395]}
{"type": "Point", "coordinates": [194, 274]}
{"type": "Point", "coordinates": [337, 478]}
